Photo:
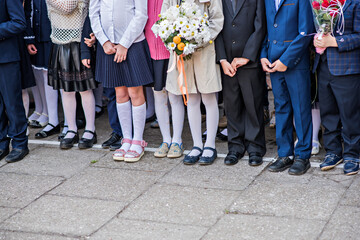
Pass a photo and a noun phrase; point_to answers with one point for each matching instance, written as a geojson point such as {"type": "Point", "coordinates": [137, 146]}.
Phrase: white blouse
{"type": "Point", "coordinates": [118, 21]}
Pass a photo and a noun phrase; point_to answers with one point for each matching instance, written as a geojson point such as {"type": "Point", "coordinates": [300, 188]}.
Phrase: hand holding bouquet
{"type": "Point", "coordinates": [183, 28]}
{"type": "Point", "coordinates": [326, 14]}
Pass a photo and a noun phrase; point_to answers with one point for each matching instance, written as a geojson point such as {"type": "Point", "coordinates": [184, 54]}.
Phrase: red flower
{"type": "Point", "coordinates": [325, 4]}
{"type": "Point", "coordinates": [342, 2]}
{"type": "Point", "coordinates": [316, 5]}
{"type": "Point", "coordinates": [334, 12]}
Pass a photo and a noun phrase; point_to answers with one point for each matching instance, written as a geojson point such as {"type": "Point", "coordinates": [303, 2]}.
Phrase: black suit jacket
{"type": "Point", "coordinates": [243, 32]}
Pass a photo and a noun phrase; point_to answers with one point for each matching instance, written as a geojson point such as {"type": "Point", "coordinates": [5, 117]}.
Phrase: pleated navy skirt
{"type": "Point", "coordinates": [41, 58]}
{"type": "Point", "coordinates": [160, 68]}
{"type": "Point", "coordinates": [135, 71]}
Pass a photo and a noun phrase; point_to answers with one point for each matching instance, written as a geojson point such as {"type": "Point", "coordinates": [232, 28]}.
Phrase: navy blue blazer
{"type": "Point", "coordinates": [37, 20]}
{"type": "Point", "coordinates": [85, 50]}
{"type": "Point", "coordinates": [345, 59]}
{"type": "Point", "coordinates": [12, 23]}
{"type": "Point", "coordinates": [287, 33]}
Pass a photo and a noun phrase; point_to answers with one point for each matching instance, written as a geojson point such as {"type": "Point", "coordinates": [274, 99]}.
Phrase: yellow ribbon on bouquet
{"type": "Point", "coordinates": [179, 62]}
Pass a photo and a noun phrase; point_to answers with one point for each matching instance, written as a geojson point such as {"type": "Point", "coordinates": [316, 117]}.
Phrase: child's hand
{"type": "Point", "coordinates": [121, 53]}
{"type": "Point", "coordinates": [227, 68]}
{"type": "Point", "coordinates": [266, 65]}
{"type": "Point", "coordinates": [86, 62]}
{"type": "Point", "coordinates": [32, 49]}
{"type": "Point", "coordinates": [90, 41]}
{"type": "Point", "coordinates": [239, 62]}
{"type": "Point", "coordinates": [326, 41]}
{"type": "Point", "coordinates": [109, 48]}
{"type": "Point", "coordinates": [278, 66]}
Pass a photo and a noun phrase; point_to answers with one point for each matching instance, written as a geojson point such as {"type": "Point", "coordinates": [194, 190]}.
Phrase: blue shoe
{"type": "Point", "coordinates": [330, 161]}
{"type": "Point", "coordinates": [190, 160]}
{"type": "Point", "coordinates": [351, 166]}
{"type": "Point", "coordinates": [208, 160]}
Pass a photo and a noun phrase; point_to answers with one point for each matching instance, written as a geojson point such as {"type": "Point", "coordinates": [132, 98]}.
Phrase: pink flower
{"type": "Point", "coordinates": [316, 5]}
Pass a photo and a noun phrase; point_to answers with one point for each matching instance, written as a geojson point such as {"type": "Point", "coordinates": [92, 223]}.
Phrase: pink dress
{"type": "Point", "coordinates": [157, 48]}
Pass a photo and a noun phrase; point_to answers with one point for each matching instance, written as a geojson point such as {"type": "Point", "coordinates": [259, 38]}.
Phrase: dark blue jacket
{"type": "Point", "coordinates": [87, 30]}
{"type": "Point", "coordinates": [345, 59]}
{"type": "Point", "coordinates": [12, 23]}
{"type": "Point", "coordinates": [288, 32]}
{"type": "Point", "coordinates": [37, 21]}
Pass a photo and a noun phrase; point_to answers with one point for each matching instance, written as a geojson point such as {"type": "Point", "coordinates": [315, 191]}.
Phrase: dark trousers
{"type": "Point", "coordinates": [243, 100]}
{"type": "Point", "coordinates": [112, 110]}
{"type": "Point", "coordinates": [292, 99]}
{"type": "Point", "coordinates": [13, 121]}
{"type": "Point", "coordinates": [339, 98]}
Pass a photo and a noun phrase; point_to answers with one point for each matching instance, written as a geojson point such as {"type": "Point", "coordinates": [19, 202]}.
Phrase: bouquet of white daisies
{"type": "Point", "coordinates": [183, 28]}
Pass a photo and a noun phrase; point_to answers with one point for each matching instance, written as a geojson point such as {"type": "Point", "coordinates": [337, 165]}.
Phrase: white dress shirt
{"type": "Point", "coordinates": [118, 21]}
{"type": "Point", "coordinates": [277, 3]}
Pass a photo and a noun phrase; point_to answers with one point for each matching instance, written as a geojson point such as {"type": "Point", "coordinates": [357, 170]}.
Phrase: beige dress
{"type": "Point", "coordinates": [202, 72]}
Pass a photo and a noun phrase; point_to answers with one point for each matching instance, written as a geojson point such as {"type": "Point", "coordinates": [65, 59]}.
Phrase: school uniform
{"type": "Point", "coordinates": [242, 36]}
{"type": "Point", "coordinates": [338, 72]}
{"type": "Point", "coordinates": [288, 24]}
{"type": "Point", "coordinates": [13, 123]}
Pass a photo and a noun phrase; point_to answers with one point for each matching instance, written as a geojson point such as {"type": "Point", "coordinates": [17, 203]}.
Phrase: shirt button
{"type": "Point", "coordinates": [233, 25]}
{"type": "Point", "coordinates": [274, 41]}
{"type": "Point", "coordinates": [233, 41]}
{"type": "Point", "coordinates": [275, 25]}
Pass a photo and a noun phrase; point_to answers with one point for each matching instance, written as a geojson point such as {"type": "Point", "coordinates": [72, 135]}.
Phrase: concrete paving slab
{"type": "Point", "coordinates": [352, 195]}
{"type": "Point", "coordinates": [344, 224]}
{"type": "Point", "coordinates": [124, 229]}
{"type": "Point", "coordinates": [63, 215]}
{"type": "Point", "coordinates": [315, 200]}
{"type": "Point", "coordinates": [336, 175]}
{"type": "Point", "coordinates": [108, 184]}
{"type": "Point", "coordinates": [6, 213]}
{"type": "Point", "coordinates": [54, 162]}
{"type": "Point", "coordinates": [147, 163]}
{"type": "Point", "coordinates": [8, 235]}
{"type": "Point", "coordinates": [257, 227]}
{"type": "Point", "coordinates": [183, 205]}
{"type": "Point", "coordinates": [217, 175]}
{"type": "Point", "coordinates": [18, 190]}
{"type": "Point", "coordinates": [2, 163]}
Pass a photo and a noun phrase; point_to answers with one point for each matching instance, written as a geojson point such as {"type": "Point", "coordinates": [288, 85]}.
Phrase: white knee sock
{"type": "Point", "coordinates": [38, 104]}
{"type": "Point", "coordinates": [26, 101]}
{"type": "Point", "coordinates": [88, 104]}
{"type": "Point", "coordinates": [98, 93]}
{"type": "Point", "coordinates": [150, 110]}
{"type": "Point", "coordinates": [124, 114]}
{"type": "Point", "coordinates": [194, 116]}
{"type": "Point", "coordinates": [69, 105]}
{"type": "Point", "coordinates": [162, 114]}
{"type": "Point", "coordinates": [178, 113]}
{"type": "Point", "coordinates": [316, 121]}
{"type": "Point", "coordinates": [212, 121]}
{"type": "Point", "coordinates": [139, 118]}
{"type": "Point", "coordinates": [52, 103]}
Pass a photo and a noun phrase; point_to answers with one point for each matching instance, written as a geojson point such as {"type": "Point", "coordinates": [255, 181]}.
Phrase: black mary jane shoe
{"type": "Point", "coordinates": [62, 135]}
{"type": "Point", "coordinates": [85, 143]}
{"type": "Point", "coordinates": [45, 134]}
{"type": "Point", "coordinates": [67, 143]}
{"type": "Point", "coordinates": [191, 160]}
{"type": "Point", "coordinates": [208, 160]}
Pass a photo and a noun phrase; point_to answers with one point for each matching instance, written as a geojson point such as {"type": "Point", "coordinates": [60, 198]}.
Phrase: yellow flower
{"type": "Point", "coordinates": [159, 15]}
{"type": "Point", "coordinates": [177, 6]}
{"type": "Point", "coordinates": [211, 41]}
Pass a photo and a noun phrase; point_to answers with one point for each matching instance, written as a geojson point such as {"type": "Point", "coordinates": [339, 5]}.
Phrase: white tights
{"type": "Point", "coordinates": [39, 96]}
{"type": "Point", "coordinates": [69, 105]}
{"type": "Point", "coordinates": [212, 120]}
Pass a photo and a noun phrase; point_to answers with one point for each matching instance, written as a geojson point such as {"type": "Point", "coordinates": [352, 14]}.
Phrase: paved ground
{"type": "Point", "coordinates": [84, 194]}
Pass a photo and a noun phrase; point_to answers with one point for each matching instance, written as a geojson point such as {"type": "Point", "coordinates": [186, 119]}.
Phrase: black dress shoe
{"type": "Point", "coordinates": [67, 143]}
{"type": "Point", "coordinates": [45, 134]}
{"type": "Point", "coordinates": [222, 137]}
{"type": "Point", "coordinates": [191, 160]}
{"type": "Point", "coordinates": [4, 153]}
{"type": "Point", "coordinates": [113, 139]}
{"type": "Point", "coordinates": [85, 143]}
{"type": "Point", "coordinates": [80, 123]}
{"type": "Point", "coordinates": [281, 164]}
{"type": "Point", "coordinates": [233, 157]}
{"type": "Point", "coordinates": [16, 155]}
{"type": "Point", "coordinates": [116, 145]}
{"type": "Point", "coordinates": [300, 166]}
{"type": "Point", "coordinates": [255, 159]}
{"type": "Point", "coordinates": [99, 114]}
{"type": "Point", "coordinates": [208, 160]}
